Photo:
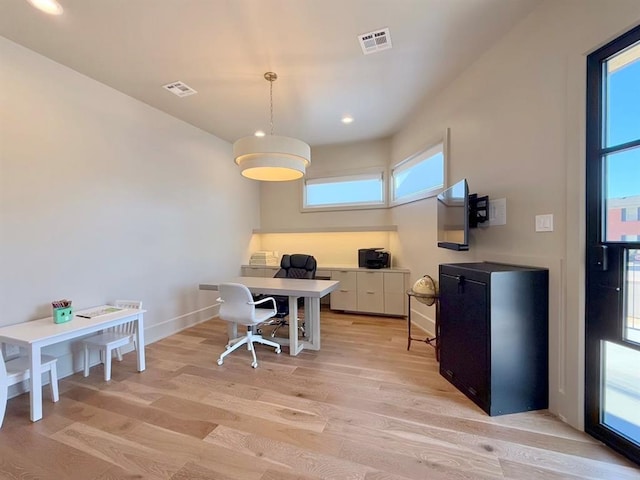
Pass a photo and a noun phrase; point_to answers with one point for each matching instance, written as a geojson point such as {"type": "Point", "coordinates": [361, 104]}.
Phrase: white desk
{"type": "Point", "coordinates": [40, 333]}
{"type": "Point", "coordinates": [311, 290]}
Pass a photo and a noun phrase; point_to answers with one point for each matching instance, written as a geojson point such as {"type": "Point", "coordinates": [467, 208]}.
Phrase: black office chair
{"type": "Point", "coordinates": [296, 265]}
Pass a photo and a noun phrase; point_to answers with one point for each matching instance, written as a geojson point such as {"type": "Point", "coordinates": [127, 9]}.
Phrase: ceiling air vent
{"type": "Point", "coordinates": [180, 89]}
{"type": "Point", "coordinates": [375, 41]}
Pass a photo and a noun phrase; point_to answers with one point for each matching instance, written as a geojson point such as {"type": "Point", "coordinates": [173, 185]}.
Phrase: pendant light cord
{"type": "Point", "coordinates": [271, 101]}
{"type": "Point", "coordinates": [271, 77]}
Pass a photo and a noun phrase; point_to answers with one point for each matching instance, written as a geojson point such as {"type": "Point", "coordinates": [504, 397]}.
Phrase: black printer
{"type": "Point", "coordinates": [373, 258]}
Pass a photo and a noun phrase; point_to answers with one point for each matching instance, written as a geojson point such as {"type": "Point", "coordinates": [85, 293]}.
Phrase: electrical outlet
{"type": "Point", "coordinates": [11, 350]}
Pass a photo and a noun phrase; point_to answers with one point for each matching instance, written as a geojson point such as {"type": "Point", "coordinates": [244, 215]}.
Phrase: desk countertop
{"type": "Point", "coordinates": [44, 328]}
{"type": "Point", "coordinates": [281, 286]}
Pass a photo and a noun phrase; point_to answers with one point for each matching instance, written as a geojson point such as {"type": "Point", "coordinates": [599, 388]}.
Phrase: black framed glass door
{"type": "Point", "coordinates": [612, 348]}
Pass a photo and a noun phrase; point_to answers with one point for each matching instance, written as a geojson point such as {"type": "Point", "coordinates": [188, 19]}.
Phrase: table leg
{"type": "Point", "coordinates": [140, 343]}
{"type": "Point", "coordinates": [308, 324]}
{"type": "Point", "coordinates": [35, 393]}
{"type": "Point", "coordinates": [294, 346]}
{"type": "Point", "coordinates": [314, 321]}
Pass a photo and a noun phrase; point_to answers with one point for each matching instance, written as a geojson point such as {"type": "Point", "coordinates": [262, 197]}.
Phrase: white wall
{"type": "Point", "coordinates": [517, 132]}
{"type": "Point", "coordinates": [280, 201]}
{"type": "Point", "coordinates": [329, 248]}
{"type": "Point", "coordinates": [516, 119]}
{"type": "Point", "coordinates": [103, 197]}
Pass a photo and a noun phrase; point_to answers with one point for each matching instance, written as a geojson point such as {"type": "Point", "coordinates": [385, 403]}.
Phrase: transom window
{"type": "Point", "coordinates": [419, 176]}
{"type": "Point", "coordinates": [364, 190]}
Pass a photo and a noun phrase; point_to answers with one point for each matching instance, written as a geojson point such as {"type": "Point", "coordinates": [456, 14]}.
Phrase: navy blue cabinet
{"type": "Point", "coordinates": [494, 334]}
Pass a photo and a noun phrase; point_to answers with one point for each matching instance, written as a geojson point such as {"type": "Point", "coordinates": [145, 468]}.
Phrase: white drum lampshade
{"type": "Point", "coordinates": [272, 158]}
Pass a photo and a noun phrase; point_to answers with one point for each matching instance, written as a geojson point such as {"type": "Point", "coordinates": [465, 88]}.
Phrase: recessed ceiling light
{"type": "Point", "coordinates": [347, 119]}
{"type": "Point", "coordinates": [259, 133]}
{"type": "Point", "coordinates": [47, 6]}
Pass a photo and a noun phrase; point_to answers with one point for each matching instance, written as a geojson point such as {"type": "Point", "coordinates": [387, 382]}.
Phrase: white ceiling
{"type": "Point", "coordinates": [222, 48]}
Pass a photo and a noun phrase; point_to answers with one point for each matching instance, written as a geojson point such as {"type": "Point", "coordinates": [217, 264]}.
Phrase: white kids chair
{"type": "Point", "coordinates": [112, 339]}
{"type": "Point", "coordinates": [17, 370]}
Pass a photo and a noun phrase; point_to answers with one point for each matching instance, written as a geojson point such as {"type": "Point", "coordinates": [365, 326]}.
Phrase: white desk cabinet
{"type": "Point", "coordinates": [345, 297]}
{"type": "Point", "coordinates": [364, 290]}
{"type": "Point", "coordinates": [370, 291]}
{"type": "Point", "coordinates": [361, 290]}
{"type": "Point", "coordinates": [395, 288]}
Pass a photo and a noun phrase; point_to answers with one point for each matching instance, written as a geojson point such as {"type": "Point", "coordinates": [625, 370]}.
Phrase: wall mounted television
{"type": "Point", "coordinates": [453, 216]}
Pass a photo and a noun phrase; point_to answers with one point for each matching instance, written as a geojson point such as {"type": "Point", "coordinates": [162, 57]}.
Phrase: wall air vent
{"type": "Point", "coordinates": [180, 89]}
{"type": "Point", "coordinates": [375, 41]}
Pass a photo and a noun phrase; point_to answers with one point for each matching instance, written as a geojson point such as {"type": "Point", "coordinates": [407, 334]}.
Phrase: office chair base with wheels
{"type": "Point", "coordinates": [284, 323]}
{"type": "Point", "coordinates": [249, 339]}
{"type": "Point", "coordinates": [297, 265]}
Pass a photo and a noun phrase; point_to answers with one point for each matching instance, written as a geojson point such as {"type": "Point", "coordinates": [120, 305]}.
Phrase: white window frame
{"type": "Point", "coordinates": [346, 176]}
{"type": "Point", "coordinates": [439, 146]}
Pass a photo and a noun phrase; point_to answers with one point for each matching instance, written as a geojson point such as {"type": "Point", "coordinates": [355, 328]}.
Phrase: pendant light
{"type": "Point", "coordinates": [272, 158]}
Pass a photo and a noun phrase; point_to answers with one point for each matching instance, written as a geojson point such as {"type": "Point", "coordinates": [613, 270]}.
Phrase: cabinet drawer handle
{"type": "Point", "coordinates": [473, 391]}
{"type": "Point", "coordinates": [370, 292]}
{"type": "Point", "coordinates": [344, 291]}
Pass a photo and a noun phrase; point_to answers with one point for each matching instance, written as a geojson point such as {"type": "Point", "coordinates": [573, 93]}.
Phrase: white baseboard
{"type": "Point", "coordinates": [423, 322]}
{"type": "Point", "coordinates": [171, 326]}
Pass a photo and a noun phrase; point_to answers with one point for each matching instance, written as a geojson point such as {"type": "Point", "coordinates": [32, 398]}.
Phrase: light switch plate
{"type": "Point", "coordinates": [497, 211]}
{"type": "Point", "coordinates": [544, 223]}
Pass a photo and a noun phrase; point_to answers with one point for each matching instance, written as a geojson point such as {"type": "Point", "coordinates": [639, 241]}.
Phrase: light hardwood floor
{"type": "Point", "coordinates": [361, 408]}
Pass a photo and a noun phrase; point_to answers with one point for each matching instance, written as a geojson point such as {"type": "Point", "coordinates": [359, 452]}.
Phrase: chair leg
{"type": "Point", "coordinates": [233, 341]}
{"type": "Point", "coordinates": [107, 364]}
{"type": "Point", "coordinates": [53, 382]}
{"type": "Point", "coordinates": [281, 323]}
{"type": "Point", "coordinates": [119, 354]}
{"type": "Point", "coordinates": [231, 348]}
{"type": "Point", "coordinates": [264, 341]}
{"type": "Point", "coordinates": [4, 391]}
{"type": "Point", "coordinates": [254, 364]}
{"type": "Point", "coordinates": [249, 339]}
{"type": "Point", "coordinates": [86, 361]}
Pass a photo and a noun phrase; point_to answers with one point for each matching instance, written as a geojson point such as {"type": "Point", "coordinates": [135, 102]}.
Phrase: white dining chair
{"type": "Point", "coordinates": [237, 306]}
{"type": "Point", "coordinates": [17, 370]}
{"type": "Point", "coordinates": [112, 339]}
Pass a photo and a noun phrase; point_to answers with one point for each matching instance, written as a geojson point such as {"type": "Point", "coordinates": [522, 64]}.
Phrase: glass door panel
{"type": "Point", "coordinates": [621, 194]}
{"type": "Point", "coordinates": [622, 96]}
{"type": "Point", "coordinates": [612, 323]}
{"type": "Point", "coordinates": [621, 390]}
{"type": "Point", "coordinates": [631, 328]}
